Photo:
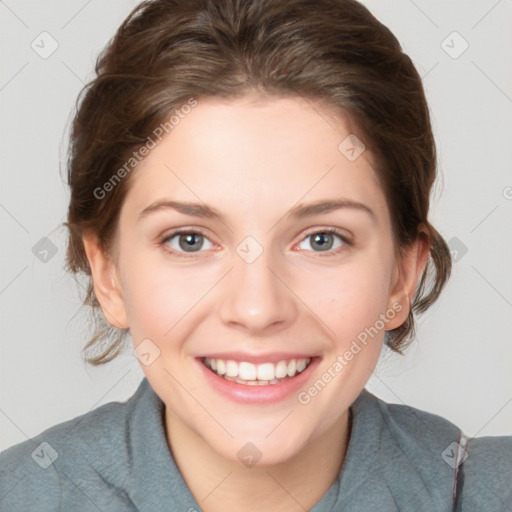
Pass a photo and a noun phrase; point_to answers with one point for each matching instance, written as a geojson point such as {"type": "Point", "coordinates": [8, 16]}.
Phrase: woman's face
{"type": "Point", "coordinates": [263, 288]}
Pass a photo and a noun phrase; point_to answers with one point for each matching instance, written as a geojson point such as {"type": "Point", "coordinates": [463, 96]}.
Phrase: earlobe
{"type": "Point", "coordinates": [106, 283]}
{"type": "Point", "coordinates": [406, 278]}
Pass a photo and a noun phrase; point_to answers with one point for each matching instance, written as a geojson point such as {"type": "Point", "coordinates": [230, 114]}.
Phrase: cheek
{"type": "Point", "coordinates": [351, 297]}
{"type": "Point", "coordinates": [151, 295]}
{"type": "Point", "coordinates": [159, 296]}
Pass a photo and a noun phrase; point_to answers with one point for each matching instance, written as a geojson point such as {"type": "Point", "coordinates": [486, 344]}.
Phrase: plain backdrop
{"type": "Point", "coordinates": [460, 363]}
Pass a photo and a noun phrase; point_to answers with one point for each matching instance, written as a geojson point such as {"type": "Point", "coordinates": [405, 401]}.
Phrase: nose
{"type": "Point", "coordinates": [257, 298]}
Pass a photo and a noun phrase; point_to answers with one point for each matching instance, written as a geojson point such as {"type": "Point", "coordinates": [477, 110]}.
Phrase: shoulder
{"type": "Point", "coordinates": [36, 473]}
{"type": "Point", "coordinates": [435, 446]}
{"type": "Point", "coordinates": [416, 431]}
{"type": "Point", "coordinates": [431, 431]}
{"type": "Point", "coordinates": [486, 474]}
{"type": "Point", "coordinates": [98, 428]}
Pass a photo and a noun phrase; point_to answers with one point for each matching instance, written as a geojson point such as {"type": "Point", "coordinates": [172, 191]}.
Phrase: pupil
{"type": "Point", "coordinates": [320, 238]}
{"type": "Point", "coordinates": [189, 241]}
{"type": "Point", "coordinates": [323, 241]}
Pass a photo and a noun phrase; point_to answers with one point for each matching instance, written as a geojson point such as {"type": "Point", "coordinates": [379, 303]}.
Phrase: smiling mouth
{"type": "Point", "coordinates": [249, 374]}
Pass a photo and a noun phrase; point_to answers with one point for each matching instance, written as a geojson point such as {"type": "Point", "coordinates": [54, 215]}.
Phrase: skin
{"type": "Point", "coordinates": [253, 160]}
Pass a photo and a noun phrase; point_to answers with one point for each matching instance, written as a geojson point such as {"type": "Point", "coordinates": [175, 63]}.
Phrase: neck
{"type": "Point", "coordinates": [295, 485]}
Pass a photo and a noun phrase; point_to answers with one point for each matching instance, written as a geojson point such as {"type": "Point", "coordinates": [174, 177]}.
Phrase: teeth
{"type": "Point", "coordinates": [231, 369]}
{"type": "Point", "coordinates": [256, 374]}
{"type": "Point", "coordinates": [292, 368]}
{"type": "Point", "coordinates": [281, 370]}
{"type": "Point", "coordinates": [221, 366]}
{"type": "Point", "coordinates": [247, 371]}
{"type": "Point", "coordinates": [266, 371]}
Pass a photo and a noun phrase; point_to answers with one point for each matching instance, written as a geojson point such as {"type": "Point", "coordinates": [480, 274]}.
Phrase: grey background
{"type": "Point", "coordinates": [460, 363]}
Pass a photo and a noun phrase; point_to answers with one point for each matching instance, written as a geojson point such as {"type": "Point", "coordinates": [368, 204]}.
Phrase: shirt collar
{"type": "Point", "coordinates": [155, 478]}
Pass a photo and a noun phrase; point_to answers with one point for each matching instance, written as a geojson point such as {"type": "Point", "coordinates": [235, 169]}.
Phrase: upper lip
{"type": "Point", "coordinates": [272, 357]}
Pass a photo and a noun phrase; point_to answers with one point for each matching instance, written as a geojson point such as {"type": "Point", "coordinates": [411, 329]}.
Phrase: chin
{"type": "Point", "coordinates": [258, 451]}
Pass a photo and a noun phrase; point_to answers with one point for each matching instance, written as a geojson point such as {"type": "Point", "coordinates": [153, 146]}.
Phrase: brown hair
{"type": "Point", "coordinates": [332, 51]}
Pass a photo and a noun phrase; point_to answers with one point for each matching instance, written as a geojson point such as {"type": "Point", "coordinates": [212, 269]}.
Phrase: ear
{"type": "Point", "coordinates": [406, 276]}
{"type": "Point", "coordinates": [106, 282]}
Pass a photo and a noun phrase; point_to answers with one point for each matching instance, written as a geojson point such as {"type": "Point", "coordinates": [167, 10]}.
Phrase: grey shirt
{"type": "Point", "coordinates": [116, 458]}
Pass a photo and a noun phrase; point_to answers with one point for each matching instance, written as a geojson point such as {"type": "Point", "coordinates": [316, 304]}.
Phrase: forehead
{"type": "Point", "coordinates": [253, 153]}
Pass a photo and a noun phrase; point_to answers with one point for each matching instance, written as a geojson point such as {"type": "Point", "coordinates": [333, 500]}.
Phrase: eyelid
{"type": "Point", "coordinates": [183, 230]}
{"type": "Point", "coordinates": [348, 241]}
{"type": "Point", "coordinates": [346, 238]}
{"type": "Point", "coordinates": [342, 233]}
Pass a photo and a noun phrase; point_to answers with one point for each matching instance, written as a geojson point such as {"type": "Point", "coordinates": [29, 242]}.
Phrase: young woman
{"type": "Point", "coordinates": [250, 187]}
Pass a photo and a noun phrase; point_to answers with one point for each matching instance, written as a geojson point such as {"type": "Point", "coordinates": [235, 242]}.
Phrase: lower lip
{"type": "Point", "coordinates": [246, 394]}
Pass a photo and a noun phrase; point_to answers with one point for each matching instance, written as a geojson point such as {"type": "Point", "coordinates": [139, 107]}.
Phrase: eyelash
{"type": "Point", "coordinates": [331, 231]}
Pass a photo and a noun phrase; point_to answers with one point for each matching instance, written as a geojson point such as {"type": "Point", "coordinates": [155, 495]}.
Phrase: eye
{"type": "Point", "coordinates": [182, 242]}
{"type": "Point", "coordinates": [325, 241]}
{"type": "Point", "coordinates": [185, 243]}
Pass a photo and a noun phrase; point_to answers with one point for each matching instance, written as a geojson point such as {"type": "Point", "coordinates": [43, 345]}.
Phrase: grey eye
{"type": "Point", "coordinates": [322, 241]}
{"type": "Point", "coordinates": [187, 241]}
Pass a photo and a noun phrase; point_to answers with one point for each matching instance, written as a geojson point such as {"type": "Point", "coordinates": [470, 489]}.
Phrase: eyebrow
{"type": "Point", "coordinates": [298, 212]}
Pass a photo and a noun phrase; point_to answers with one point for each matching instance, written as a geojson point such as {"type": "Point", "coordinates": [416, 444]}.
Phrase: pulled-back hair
{"type": "Point", "coordinates": [332, 51]}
